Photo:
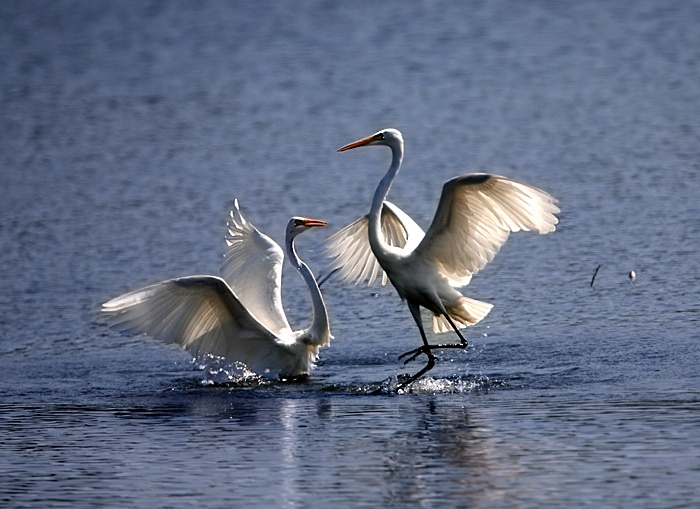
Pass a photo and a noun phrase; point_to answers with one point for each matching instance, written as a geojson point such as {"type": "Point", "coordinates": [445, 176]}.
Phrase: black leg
{"type": "Point", "coordinates": [421, 349]}
{"type": "Point", "coordinates": [426, 368]}
{"type": "Point", "coordinates": [427, 347]}
{"type": "Point", "coordinates": [463, 340]}
{"type": "Point", "coordinates": [414, 353]}
{"type": "Point", "coordinates": [415, 312]}
{"type": "Point", "coordinates": [417, 351]}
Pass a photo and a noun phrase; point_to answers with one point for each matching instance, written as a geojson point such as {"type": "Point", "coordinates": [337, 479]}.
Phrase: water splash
{"type": "Point", "coordinates": [220, 372]}
{"type": "Point", "coordinates": [457, 384]}
{"type": "Point", "coordinates": [462, 384]}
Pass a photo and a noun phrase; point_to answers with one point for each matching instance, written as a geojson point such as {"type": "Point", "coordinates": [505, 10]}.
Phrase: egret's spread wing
{"type": "Point", "coordinates": [351, 253]}
{"type": "Point", "coordinates": [476, 214]}
{"type": "Point", "coordinates": [252, 267]}
{"type": "Point", "coordinates": [200, 313]}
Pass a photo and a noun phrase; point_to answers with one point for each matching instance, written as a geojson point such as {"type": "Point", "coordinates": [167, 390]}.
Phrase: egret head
{"type": "Point", "coordinates": [297, 225]}
{"type": "Point", "coordinates": [388, 137]}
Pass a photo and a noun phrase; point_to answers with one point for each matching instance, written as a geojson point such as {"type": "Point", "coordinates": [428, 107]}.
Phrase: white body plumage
{"type": "Point", "coordinates": [237, 316]}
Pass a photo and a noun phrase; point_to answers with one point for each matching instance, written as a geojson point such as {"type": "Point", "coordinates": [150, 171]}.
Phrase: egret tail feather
{"type": "Point", "coordinates": [465, 312]}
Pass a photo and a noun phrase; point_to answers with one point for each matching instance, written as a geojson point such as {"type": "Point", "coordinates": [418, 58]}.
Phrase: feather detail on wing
{"type": "Point", "coordinates": [252, 267]}
{"type": "Point", "coordinates": [201, 314]}
{"type": "Point", "coordinates": [475, 215]}
{"type": "Point", "coordinates": [350, 251]}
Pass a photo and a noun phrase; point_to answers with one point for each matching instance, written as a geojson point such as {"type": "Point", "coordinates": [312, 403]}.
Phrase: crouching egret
{"type": "Point", "coordinates": [237, 316]}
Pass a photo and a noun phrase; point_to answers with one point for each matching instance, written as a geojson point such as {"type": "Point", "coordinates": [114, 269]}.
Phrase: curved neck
{"type": "Point", "coordinates": [376, 237]}
{"type": "Point", "coordinates": [319, 331]}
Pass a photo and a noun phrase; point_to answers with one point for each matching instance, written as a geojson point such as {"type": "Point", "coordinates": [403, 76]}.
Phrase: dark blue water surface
{"type": "Point", "coordinates": [126, 130]}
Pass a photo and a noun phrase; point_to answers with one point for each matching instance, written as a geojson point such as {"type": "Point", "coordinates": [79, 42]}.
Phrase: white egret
{"type": "Point", "coordinates": [475, 215]}
{"type": "Point", "coordinates": [237, 316]}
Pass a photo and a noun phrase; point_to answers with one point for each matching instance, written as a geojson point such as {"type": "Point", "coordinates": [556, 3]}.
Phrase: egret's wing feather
{"type": "Point", "coordinates": [475, 215]}
{"type": "Point", "coordinates": [201, 314]}
{"type": "Point", "coordinates": [399, 229]}
{"type": "Point", "coordinates": [252, 267]}
{"type": "Point", "coordinates": [350, 251]}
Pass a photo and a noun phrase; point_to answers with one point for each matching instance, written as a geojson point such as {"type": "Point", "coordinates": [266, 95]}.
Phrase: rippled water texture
{"type": "Point", "coordinates": [127, 129]}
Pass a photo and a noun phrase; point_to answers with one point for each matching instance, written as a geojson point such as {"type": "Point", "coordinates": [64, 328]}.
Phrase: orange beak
{"type": "Point", "coordinates": [310, 223]}
{"type": "Point", "coordinates": [361, 143]}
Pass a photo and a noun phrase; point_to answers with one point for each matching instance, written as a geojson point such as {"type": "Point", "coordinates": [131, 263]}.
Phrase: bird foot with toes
{"type": "Point", "coordinates": [427, 350]}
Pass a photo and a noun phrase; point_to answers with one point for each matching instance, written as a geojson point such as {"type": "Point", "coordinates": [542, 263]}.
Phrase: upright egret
{"type": "Point", "coordinates": [237, 316]}
{"type": "Point", "coordinates": [475, 215]}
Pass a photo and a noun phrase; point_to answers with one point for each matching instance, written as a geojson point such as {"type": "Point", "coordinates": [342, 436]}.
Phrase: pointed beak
{"type": "Point", "coordinates": [310, 223]}
{"type": "Point", "coordinates": [362, 142]}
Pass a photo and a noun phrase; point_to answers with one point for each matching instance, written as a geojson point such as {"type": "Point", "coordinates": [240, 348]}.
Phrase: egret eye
{"type": "Point", "coordinates": [298, 222]}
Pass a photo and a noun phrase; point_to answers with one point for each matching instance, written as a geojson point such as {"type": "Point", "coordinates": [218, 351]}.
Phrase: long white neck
{"type": "Point", "coordinates": [319, 332]}
{"type": "Point", "coordinates": [376, 238]}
